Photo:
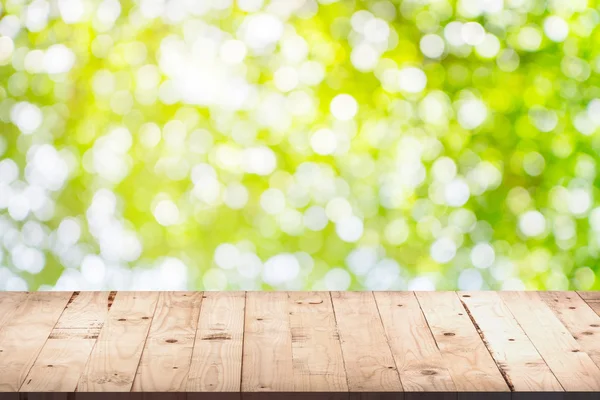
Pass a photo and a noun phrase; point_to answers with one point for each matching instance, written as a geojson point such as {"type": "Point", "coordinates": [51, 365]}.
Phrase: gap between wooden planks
{"type": "Point", "coordinates": [322, 342]}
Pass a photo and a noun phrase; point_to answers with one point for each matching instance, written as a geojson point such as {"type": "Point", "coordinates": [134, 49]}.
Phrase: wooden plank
{"type": "Point", "coordinates": [573, 368]}
{"type": "Point", "coordinates": [292, 344]}
{"type": "Point", "coordinates": [367, 356]}
{"type": "Point", "coordinates": [578, 318]}
{"type": "Point", "coordinates": [590, 296]}
{"type": "Point", "coordinates": [63, 357]}
{"type": "Point", "coordinates": [267, 355]}
{"type": "Point", "coordinates": [216, 364]}
{"type": "Point", "coordinates": [468, 360]}
{"type": "Point", "coordinates": [24, 335]}
{"type": "Point", "coordinates": [316, 350]}
{"type": "Point", "coordinates": [167, 354]}
{"type": "Point", "coordinates": [417, 356]}
{"type": "Point", "coordinates": [84, 315]}
{"type": "Point", "coordinates": [517, 357]}
{"type": "Point", "coordinates": [9, 302]}
{"type": "Point", "coordinates": [592, 299]}
{"type": "Point", "coordinates": [114, 360]}
{"type": "Point", "coordinates": [595, 306]}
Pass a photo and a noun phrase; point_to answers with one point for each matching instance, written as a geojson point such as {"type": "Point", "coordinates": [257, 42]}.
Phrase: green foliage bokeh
{"type": "Point", "coordinates": [163, 124]}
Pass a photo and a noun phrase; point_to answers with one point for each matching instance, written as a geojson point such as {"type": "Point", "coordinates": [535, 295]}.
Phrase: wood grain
{"type": "Point", "coordinates": [166, 358]}
{"type": "Point", "coordinates": [318, 364]}
{"type": "Point", "coordinates": [65, 354]}
{"type": "Point", "coordinates": [590, 296]}
{"type": "Point", "coordinates": [573, 368]}
{"type": "Point", "coordinates": [581, 321]}
{"type": "Point", "coordinates": [518, 358]}
{"type": "Point", "coordinates": [9, 301]}
{"type": "Point", "coordinates": [23, 336]}
{"type": "Point", "coordinates": [267, 355]}
{"type": "Point", "coordinates": [114, 360]}
{"type": "Point", "coordinates": [334, 346]}
{"type": "Point", "coordinates": [420, 363]}
{"type": "Point", "coordinates": [367, 356]}
{"type": "Point", "coordinates": [467, 358]}
{"type": "Point", "coordinates": [592, 299]}
{"type": "Point", "coordinates": [217, 358]}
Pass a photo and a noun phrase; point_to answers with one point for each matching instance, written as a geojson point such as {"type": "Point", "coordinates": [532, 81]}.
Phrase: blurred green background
{"type": "Point", "coordinates": [296, 144]}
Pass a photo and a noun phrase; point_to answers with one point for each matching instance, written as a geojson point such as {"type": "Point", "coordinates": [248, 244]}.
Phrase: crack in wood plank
{"type": "Point", "coordinates": [501, 366]}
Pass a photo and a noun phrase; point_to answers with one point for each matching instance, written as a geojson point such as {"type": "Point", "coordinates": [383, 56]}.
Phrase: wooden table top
{"type": "Point", "coordinates": [299, 342]}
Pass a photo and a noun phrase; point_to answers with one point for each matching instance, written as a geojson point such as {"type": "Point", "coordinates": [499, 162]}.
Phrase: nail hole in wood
{"type": "Point", "coordinates": [575, 351]}
{"type": "Point", "coordinates": [449, 334]}
{"type": "Point", "coordinates": [466, 295]}
{"type": "Point", "coordinates": [145, 317]}
{"type": "Point", "coordinates": [511, 340]}
{"type": "Point", "coordinates": [595, 325]}
{"type": "Point", "coordinates": [572, 308]}
{"type": "Point", "coordinates": [428, 372]}
{"type": "Point", "coordinates": [171, 340]}
{"type": "Point", "coordinates": [588, 333]}
{"type": "Point", "coordinates": [122, 319]}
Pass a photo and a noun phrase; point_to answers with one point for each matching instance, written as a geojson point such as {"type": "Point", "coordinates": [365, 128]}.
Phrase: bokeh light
{"type": "Point", "coordinates": [299, 144]}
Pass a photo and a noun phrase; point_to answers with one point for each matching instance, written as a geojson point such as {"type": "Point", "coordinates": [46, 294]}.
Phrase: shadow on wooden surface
{"type": "Point", "coordinates": [307, 396]}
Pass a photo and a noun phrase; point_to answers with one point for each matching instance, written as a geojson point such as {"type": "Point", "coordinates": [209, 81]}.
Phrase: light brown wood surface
{"type": "Point", "coordinates": [592, 299]}
{"type": "Point", "coordinates": [267, 356]}
{"type": "Point", "coordinates": [217, 360]}
{"type": "Point", "coordinates": [343, 345]}
{"type": "Point", "coordinates": [418, 358]}
{"type": "Point", "coordinates": [516, 356]}
{"type": "Point", "coordinates": [580, 320]}
{"type": "Point", "coordinates": [165, 361]}
{"type": "Point", "coordinates": [468, 360]}
{"type": "Point", "coordinates": [318, 364]}
{"type": "Point", "coordinates": [368, 359]}
{"type": "Point", "coordinates": [24, 335]}
{"type": "Point", "coordinates": [9, 301]}
{"type": "Point", "coordinates": [573, 368]}
{"type": "Point", "coordinates": [64, 356]}
{"type": "Point", "coordinates": [116, 355]}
